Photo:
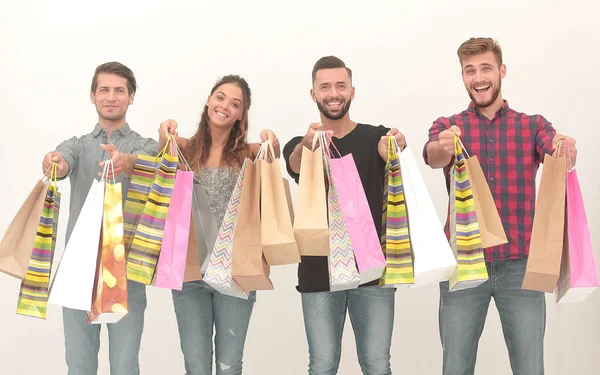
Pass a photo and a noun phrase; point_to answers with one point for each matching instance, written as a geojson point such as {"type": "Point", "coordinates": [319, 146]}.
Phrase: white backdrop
{"type": "Point", "coordinates": [406, 74]}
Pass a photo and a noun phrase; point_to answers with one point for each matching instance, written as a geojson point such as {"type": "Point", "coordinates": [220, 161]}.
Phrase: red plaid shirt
{"type": "Point", "coordinates": [510, 149]}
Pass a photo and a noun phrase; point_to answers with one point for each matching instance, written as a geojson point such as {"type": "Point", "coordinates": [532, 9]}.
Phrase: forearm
{"type": "Point", "coordinates": [436, 156]}
{"type": "Point", "coordinates": [296, 158]}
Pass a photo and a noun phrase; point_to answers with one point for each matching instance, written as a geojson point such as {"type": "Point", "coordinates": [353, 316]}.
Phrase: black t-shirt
{"type": "Point", "coordinates": [313, 272]}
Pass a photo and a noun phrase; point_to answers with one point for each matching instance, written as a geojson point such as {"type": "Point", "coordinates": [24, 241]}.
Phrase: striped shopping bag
{"type": "Point", "coordinates": [142, 178]}
{"type": "Point", "coordinates": [147, 240]}
{"type": "Point", "coordinates": [395, 238]}
{"type": "Point", "coordinates": [343, 273]}
{"type": "Point", "coordinates": [33, 295]}
{"type": "Point", "coordinates": [465, 238]}
{"type": "Point", "coordinates": [218, 272]}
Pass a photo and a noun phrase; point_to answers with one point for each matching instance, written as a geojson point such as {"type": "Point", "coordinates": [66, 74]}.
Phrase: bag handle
{"type": "Point", "coordinates": [266, 152]}
{"type": "Point", "coordinates": [459, 146]}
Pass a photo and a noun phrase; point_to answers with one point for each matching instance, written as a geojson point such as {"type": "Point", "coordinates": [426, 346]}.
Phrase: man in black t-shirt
{"type": "Point", "coordinates": [371, 308]}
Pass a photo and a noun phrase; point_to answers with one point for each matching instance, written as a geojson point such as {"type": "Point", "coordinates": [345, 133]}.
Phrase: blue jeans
{"type": "Point", "coordinates": [371, 312]}
{"type": "Point", "coordinates": [198, 307]}
{"type": "Point", "coordinates": [82, 340]}
{"type": "Point", "coordinates": [522, 314]}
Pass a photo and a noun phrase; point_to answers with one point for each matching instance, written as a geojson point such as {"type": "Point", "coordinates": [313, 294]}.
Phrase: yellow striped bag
{"type": "Point", "coordinates": [395, 238]}
{"type": "Point", "coordinates": [33, 295]}
{"type": "Point", "coordinates": [147, 240]}
{"type": "Point", "coordinates": [465, 237]}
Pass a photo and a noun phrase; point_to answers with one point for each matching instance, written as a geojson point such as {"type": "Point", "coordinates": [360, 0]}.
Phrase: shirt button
{"type": "Point", "coordinates": [491, 178]}
{"type": "Point", "coordinates": [491, 159]}
{"type": "Point", "coordinates": [491, 140]}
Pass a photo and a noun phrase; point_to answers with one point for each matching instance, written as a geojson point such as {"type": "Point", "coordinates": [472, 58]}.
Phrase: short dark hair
{"type": "Point", "coordinates": [117, 69]}
{"type": "Point", "coordinates": [329, 62]}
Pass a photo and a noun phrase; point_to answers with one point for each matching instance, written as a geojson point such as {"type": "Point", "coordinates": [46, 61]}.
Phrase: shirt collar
{"type": "Point", "coordinates": [124, 130]}
{"type": "Point", "coordinates": [501, 112]}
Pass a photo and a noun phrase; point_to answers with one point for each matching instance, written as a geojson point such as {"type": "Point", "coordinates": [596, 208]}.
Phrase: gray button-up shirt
{"type": "Point", "coordinates": [83, 155]}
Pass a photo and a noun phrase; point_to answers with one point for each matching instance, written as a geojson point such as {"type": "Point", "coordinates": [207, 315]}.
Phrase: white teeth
{"type": "Point", "coordinates": [482, 87]}
{"type": "Point", "coordinates": [220, 114]}
{"type": "Point", "coordinates": [334, 103]}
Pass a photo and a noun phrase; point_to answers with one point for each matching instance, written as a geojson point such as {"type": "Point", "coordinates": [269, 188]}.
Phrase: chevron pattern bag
{"type": "Point", "coordinates": [465, 238]}
{"type": "Point", "coordinates": [218, 272]}
{"type": "Point", "coordinates": [147, 241]}
{"type": "Point", "coordinates": [395, 237]}
{"type": "Point", "coordinates": [33, 295]}
{"type": "Point", "coordinates": [343, 274]}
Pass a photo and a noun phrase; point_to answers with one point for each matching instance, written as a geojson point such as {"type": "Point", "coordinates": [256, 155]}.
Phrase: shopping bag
{"type": "Point", "coordinates": [357, 216]}
{"type": "Point", "coordinates": [343, 273]}
{"type": "Point", "coordinates": [249, 268]}
{"type": "Point", "coordinates": [218, 272]}
{"type": "Point", "coordinates": [74, 281]}
{"type": "Point", "coordinates": [433, 257]}
{"type": "Point", "coordinates": [33, 294]}
{"type": "Point", "coordinates": [205, 227]}
{"type": "Point", "coordinates": [147, 241]}
{"type": "Point", "coordinates": [465, 238]}
{"type": "Point", "coordinates": [110, 297]}
{"type": "Point", "coordinates": [171, 265]}
{"type": "Point", "coordinates": [547, 235]}
{"type": "Point", "coordinates": [16, 245]}
{"type": "Point", "coordinates": [141, 182]}
{"type": "Point", "coordinates": [277, 235]}
{"type": "Point", "coordinates": [395, 237]}
{"type": "Point", "coordinates": [310, 222]}
{"type": "Point", "coordinates": [490, 225]}
{"type": "Point", "coordinates": [192, 262]}
{"type": "Point", "coordinates": [578, 276]}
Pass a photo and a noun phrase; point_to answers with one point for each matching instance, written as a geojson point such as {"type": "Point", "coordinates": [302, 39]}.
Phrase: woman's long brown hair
{"type": "Point", "coordinates": [236, 149]}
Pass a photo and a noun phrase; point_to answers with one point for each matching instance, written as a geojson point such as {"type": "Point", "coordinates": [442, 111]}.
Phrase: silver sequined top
{"type": "Point", "coordinates": [218, 184]}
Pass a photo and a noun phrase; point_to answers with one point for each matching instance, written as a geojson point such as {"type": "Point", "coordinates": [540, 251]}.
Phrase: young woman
{"type": "Point", "coordinates": [216, 153]}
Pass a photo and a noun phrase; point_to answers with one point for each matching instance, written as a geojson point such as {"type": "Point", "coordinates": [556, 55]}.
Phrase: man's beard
{"type": "Point", "coordinates": [486, 104]}
{"type": "Point", "coordinates": [334, 116]}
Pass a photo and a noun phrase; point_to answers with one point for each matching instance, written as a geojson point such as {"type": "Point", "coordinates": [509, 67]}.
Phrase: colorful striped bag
{"type": "Point", "coordinates": [395, 236]}
{"type": "Point", "coordinates": [33, 295]}
{"type": "Point", "coordinates": [147, 241]}
{"type": "Point", "coordinates": [465, 238]}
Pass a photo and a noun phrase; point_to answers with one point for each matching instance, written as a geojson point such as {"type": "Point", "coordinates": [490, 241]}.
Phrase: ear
{"type": "Point", "coordinates": [313, 96]}
{"type": "Point", "coordinates": [352, 94]}
{"type": "Point", "coordinates": [208, 99]}
{"type": "Point", "coordinates": [131, 98]}
{"type": "Point", "coordinates": [92, 97]}
{"type": "Point", "coordinates": [503, 71]}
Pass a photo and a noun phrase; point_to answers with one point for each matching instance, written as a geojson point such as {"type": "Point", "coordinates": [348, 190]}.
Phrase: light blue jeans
{"type": "Point", "coordinates": [198, 307]}
{"type": "Point", "coordinates": [371, 312]}
{"type": "Point", "coordinates": [522, 314]}
{"type": "Point", "coordinates": [82, 340]}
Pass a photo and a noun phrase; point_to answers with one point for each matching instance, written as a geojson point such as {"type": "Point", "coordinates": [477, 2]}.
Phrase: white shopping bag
{"type": "Point", "coordinates": [74, 281]}
{"type": "Point", "coordinates": [433, 257]}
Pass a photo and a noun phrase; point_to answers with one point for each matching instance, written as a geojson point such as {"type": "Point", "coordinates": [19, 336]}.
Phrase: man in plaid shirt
{"type": "Point", "coordinates": [510, 146]}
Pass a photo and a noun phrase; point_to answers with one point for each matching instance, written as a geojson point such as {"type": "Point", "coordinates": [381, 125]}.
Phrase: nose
{"type": "Point", "coordinates": [479, 76]}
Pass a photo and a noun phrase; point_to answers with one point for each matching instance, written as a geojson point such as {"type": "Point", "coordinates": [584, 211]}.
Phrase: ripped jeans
{"type": "Point", "coordinates": [199, 307]}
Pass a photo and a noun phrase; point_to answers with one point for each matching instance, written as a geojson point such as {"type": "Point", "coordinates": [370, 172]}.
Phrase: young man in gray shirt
{"type": "Point", "coordinates": [81, 159]}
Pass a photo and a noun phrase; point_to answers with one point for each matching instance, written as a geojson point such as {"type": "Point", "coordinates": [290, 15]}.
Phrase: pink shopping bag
{"type": "Point", "coordinates": [173, 254]}
{"type": "Point", "coordinates": [357, 216]}
{"type": "Point", "coordinates": [578, 275]}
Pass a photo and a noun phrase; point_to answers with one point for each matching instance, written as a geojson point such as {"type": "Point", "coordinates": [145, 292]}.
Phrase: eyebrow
{"type": "Point", "coordinates": [115, 87]}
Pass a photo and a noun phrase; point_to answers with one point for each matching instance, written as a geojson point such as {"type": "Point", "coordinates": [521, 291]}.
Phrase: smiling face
{"type": "Point", "coordinates": [482, 76]}
{"type": "Point", "coordinates": [333, 92]}
{"type": "Point", "coordinates": [111, 97]}
{"type": "Point", "coordinates": [225, 106]}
